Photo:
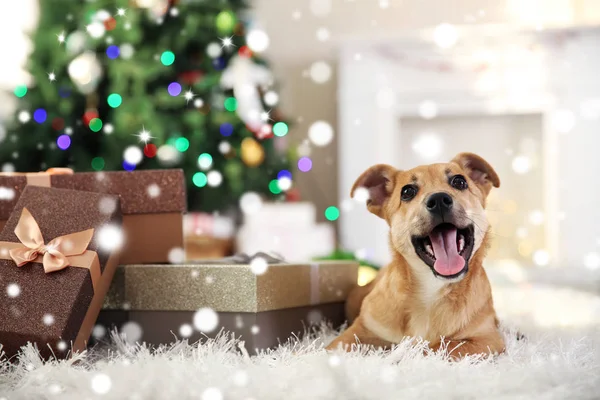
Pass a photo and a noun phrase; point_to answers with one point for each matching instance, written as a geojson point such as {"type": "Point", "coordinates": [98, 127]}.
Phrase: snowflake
{"type": "Point", "coordinates": [255, 329]}
{"type": "Point", "coordinates": [62, 345]}
{"type": "Point", "coordinates": [206, 320]}
{"type": "Point", "coordinates": [101, 384]}
{"type": "Point", "coordinates": [110, 237]}
{"type": "Point", "coordinates": [335, 361]}
{"type": "Point", "coordinates": [132, 331]}
{"type": "Point", "coordinates": [176, 255]}
{"type": "Point", "coordinates": [259, 266]}
{"type": "Point", "coordinates": [48, 319]}
{"type": "Point", "coordinates": [153, 190]}
{"type": "Point", "coordinates": [186, 330]}
{"type": "Point", "coordinates": [13, 290]}
{"type": "Point", "coordinates": [99, 332]}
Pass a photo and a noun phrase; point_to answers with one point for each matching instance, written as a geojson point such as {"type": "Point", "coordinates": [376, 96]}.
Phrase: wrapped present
{"type": "Point", "coordinates": [262, 299]}
{"type": "Point", "coordinates": [152, 202]}
{"type": "Point", "coordinates": [58, 254]}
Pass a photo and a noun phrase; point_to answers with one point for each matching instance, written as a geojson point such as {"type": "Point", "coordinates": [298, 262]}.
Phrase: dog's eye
{"type": "Point", "coordinates": [459, 182]}
{"type": "Point", "coordinates": [408, 192]}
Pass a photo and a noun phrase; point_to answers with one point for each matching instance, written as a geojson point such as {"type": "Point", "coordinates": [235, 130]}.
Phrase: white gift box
{"type": "Point", "coordinates": [289, 229]}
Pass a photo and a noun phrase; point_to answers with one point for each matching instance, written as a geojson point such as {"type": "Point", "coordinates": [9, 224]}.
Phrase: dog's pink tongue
{"type": "Point", "coordinates": [447, 259]}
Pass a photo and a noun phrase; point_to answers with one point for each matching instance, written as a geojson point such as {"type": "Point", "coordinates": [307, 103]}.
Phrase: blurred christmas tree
{"type": "Point", "coordinates": [152, 84]}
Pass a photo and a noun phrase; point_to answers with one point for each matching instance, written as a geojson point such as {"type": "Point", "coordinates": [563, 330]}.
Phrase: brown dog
{"type": "Point", "coordinates": [435, 287]}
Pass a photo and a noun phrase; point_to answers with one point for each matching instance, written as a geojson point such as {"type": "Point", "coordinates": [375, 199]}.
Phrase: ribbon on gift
{"type": "Point", "coordinates": [243, 258]}
{"type": "Point", "coordinates": [40, 178]}
{"type": "Point", "coordinates": [58, 254]}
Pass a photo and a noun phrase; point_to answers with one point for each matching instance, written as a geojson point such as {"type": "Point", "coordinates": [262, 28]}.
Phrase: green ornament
{"type": "Point", "coordinates": [332, 213]}
{"type": "Point", "coordinates": [225, 22]}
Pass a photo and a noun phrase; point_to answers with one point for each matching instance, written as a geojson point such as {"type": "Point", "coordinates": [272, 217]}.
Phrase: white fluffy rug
{"type": "Point", "coordinates": [552, 363]}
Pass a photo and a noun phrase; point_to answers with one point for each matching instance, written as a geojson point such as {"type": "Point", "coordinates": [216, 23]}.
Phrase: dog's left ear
{"type": "Point", "coordinates": [479, 170]}
{"type": "Point", "coordinates": [379, 181]}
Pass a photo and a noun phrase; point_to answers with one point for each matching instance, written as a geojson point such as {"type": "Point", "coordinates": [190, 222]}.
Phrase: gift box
{"type": "Point", "coordinates": [152, 203]}
{"type": "Point", "coordinates": [281, 226]}
{"type": "Point", "coordinates": [58, 255]}
{"type": "Point", "coordinates": [264, 303]}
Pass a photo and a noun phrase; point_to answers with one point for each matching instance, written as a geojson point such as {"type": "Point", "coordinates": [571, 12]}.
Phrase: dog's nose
{"type": "Point", "coordinates": [439, 203]}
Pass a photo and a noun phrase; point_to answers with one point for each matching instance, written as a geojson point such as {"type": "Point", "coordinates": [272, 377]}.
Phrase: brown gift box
{"type": "Point", "coordinates": [57, 309]}
{"type": "Point", "coordinates": [152, 202]}
{"type": "Point", "coordinates": [264, 309]}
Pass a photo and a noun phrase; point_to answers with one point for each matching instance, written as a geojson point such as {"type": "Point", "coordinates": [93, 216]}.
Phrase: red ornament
{"type": "Point", "coordinates": [150, 150]}
{"type": "Point", "coordinates": [245, 51]}
{"type": "Point", "coordinates": [110, 24]}
{"type": "Point", "coordinates": [264, 132]}
{"type": "Point", "coordinates": [191, 77]}
{"type": "Point", "coordinates": [58, 123]}
{"type": "Point", "coordinates": [293, 195]}
{"type": "Point", "coordinates": [89, 115]}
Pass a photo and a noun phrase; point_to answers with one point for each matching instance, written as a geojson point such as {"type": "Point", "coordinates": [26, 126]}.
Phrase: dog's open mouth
{"type": "Point", "coordinates": [446, 250]}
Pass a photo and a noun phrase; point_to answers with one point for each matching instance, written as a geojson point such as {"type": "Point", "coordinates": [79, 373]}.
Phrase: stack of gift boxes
{"type": "Point", "coordinates": [89, 252]}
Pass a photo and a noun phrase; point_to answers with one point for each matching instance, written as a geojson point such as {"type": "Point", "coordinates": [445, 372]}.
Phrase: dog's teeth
{"type": "Point", "coordinates": [429, 250]}
{"type": "Point", "coordinates": [461, 243]}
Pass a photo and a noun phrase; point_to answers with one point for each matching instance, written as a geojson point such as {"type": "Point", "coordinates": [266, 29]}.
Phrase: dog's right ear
{"type": "Point", "coordinates": [379, 182]}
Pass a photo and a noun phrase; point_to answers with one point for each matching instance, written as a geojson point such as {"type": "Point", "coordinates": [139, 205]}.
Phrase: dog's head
{"type": "Point", "coordinates": [435, 212]}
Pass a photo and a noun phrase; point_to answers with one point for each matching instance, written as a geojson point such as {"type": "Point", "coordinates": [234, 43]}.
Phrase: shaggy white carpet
{"type": "Point", "coordinates": [552, 363]}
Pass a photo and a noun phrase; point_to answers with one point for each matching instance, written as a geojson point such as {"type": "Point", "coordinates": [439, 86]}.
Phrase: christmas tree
{"type": "Point", "coordinates": [152, 84]}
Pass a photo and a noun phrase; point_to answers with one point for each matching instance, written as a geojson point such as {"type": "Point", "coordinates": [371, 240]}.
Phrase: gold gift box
{"type": "Point", "coordinates": [230, 288]}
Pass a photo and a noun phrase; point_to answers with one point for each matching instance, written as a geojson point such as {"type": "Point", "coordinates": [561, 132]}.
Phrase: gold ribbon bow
{"type": "Point", "coordinates": [55, 254]}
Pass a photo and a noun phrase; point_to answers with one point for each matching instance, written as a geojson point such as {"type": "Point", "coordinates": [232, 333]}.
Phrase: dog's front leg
{"type": "Point", "coordinates": [357, 333]}
{"type": "Point", "coordinates": [490, 344]}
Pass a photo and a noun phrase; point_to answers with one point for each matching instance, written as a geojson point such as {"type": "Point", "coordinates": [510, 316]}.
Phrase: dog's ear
{"type": "Point", "coordinates": [479, 170]}
{"type": "Point", "coordinates": [379, 181]}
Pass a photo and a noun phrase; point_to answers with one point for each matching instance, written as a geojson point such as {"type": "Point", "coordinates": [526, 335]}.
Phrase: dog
{"type": "Point", "coordinates": [435, 287]}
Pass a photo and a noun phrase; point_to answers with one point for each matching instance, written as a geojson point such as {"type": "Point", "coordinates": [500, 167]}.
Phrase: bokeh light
{"type": "Point", "coordinates": [280, 129]}
{"type": "Point", "coordinates": [205, 160]}
{"type": "Point", "coordinates": [40, 115]}
{"type": "Point", "coordinates": [274, 186]}
{"type": "Point", "coordinates": [225, 22]}
{"type": "Point", "coordinates": [174, 89]}
{"type": "Point", "coordinates": [96, 124]}
{"type": "Point", "coordinates": [20, 91]}
{"type": "Point", "coordinates": [133, 155]}
{"type": "Point", "coordinates": [98, 163]}
{"type": "Point", "coordinates": [230, 104]}
{"type": "Point", "coordinates": [114, 100]}
{"type": "Point", "coordinates": [63, 142]}
{"type": "Point", "coordinates": [332, 213]}
{"type": "Point", "coordinates": [182, 144]}
{"type": "Point", "coordinates": [199, 179]}
{"type": "Point", "coordinates": [226, 129]}
{"type": "Point", "coordinates": [112, 51]}
{"type": "Point", "coordinates": [284, 173]}
{"type": "Point", "coordinates": [127, 166]}
{"type": "Point", "coordinates": [167, 58]}
{"type": "Point", "coordinates": [304, 164]}
{"type": "Point", "coordinates": [521, 164]}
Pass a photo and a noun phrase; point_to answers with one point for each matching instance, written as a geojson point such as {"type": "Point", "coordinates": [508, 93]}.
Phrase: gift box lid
{"type": "Point", "coordinates": [231, 287]}
{"type": "Point", "coordinates": [43, 302]}
{"type": "Point", "coordinates": [141, 192]}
